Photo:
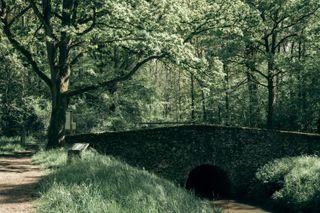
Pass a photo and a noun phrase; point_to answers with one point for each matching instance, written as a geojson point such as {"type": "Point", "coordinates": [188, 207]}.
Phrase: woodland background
{"type": "Point", "coordinates": [248, 63]}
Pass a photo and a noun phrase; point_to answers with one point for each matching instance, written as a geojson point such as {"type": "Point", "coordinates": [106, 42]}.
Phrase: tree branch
{"type": "Point", "coordinates": [301, 18]}
{"type": "Point", "coordinates": [21, 13]}
{"type": "Point", "coordinates": [111, 83]}
{"type": "Point", "coordinates": [235, 87]}
{"type": "Point", "coordinates": [76, 59]}
{"type": "Point", "coordinates": [93, 23]}
{"type": "Point", "coordinates": [278, 73]}
{"type": "Point", "coordinates": [3, 11]}
{"type": "Point", "coordinates": [259, 72]}
{"type": "Point", "coordinates": [274, 27]}
{"type": "Point", "coordinates": [284, 39]}
{"type": "Point", "coordinates": [98, 14]}
{"type": "Point", "coordinates": [26, 53]}
{"type": "Point", "coordinates": [42, 19]}
{"type": "Point", "coordinates": [256, 81]}
{"type": "Point", "coordinates": [57, 15]}
{"type": "Point", "coordinates": [75, 44]}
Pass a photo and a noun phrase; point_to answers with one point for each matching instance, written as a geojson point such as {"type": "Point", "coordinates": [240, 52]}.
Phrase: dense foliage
{"type": "Point", "coordinates": [102, 184]}
{"type": "Point", "coordinates": [118, 64]}
{"type": "Point", "coordinates": [291, 184]}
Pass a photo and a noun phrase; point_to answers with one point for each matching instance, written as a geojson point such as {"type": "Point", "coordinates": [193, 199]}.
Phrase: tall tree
{"type": "Point", "coordinates": [66, 33]}
{"type": "Point", "coordinates": [279, 20]}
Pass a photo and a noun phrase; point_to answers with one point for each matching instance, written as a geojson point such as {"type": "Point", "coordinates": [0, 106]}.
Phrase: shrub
{"type": "Point", "coordinates": [290, 183]}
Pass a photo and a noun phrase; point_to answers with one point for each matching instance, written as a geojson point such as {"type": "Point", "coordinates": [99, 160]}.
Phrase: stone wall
{"type": "Point", "coordinates": [172, 152]}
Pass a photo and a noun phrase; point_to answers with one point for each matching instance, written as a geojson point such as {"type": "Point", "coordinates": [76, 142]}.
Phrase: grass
{"type": "Point", "coordinates": [292, 184]}
{"type": "Point", "coordinates": [98, 183]}
{"type": "Point", "coordinates": [12, 145]}
{"type": "Point", "coordinates": [8, 146]}
{"type": "Point", "coordinates": [52, 159]}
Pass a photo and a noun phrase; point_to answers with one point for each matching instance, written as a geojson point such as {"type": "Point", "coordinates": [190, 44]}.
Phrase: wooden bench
{"type": "Point", "coordinates": [76, 150]}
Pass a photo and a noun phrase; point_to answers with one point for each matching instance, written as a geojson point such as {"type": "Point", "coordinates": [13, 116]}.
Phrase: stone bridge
{"type": "Point", "coordinates": [173, 152]}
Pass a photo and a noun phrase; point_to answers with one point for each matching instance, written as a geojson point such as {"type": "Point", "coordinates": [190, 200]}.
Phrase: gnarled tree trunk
{"type": "Point", "coordinates": [56, 131]}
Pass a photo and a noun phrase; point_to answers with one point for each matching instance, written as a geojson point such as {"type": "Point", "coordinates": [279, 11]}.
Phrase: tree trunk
{"type": "Point", "coordinates": [270, 95]}
{"type": "Point", "coordinates": [204, 110]}
{"type": "Point", "coordinates": [192, 99]}
{"type": "Point", "coordinates": [253, 100]}
{"type": "Point", "coordinates": [250, 54]}
{"type": "Point", "coordinates": [179, 98]}
{"type": "Point", "coordinates": [271, 88]}
{"type": "Point", "coordinates": [227, 95]}
{"type": "Point", "coordinates": [23, 134]}
{"type": "Point", "coordinates": [56, 131]}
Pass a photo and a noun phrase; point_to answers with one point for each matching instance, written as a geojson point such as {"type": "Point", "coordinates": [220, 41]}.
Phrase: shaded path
{"type": "Point", "coordinates": [18, 179]}
{"type": "Point", "coordinates": [231, 206]}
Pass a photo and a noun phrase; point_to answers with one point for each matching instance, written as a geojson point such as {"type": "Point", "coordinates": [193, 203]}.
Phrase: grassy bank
{"type": "Point", "coordinates": [103, 184]}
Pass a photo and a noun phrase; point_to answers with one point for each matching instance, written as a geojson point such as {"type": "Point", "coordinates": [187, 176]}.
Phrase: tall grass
{"type": "Point", "coordinates": [292, 184]}
{"type": "Point", "coordinates": [99, 183]}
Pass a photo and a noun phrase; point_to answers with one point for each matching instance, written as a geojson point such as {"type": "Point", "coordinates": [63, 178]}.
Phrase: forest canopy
{"type": "Point", "coordinates": [123, 64]}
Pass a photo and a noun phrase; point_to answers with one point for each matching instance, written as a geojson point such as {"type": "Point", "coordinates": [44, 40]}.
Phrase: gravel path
{"type": "Point", "coordinates": [18, 179]}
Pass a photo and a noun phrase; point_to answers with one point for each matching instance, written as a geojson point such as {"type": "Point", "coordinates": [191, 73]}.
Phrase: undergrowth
{"type": "Point", "coordinates": [98, 183]}
{"type": "Point", "coordinates": [292, 184]}
{"type": "Point", "coordinates": [10, 145]}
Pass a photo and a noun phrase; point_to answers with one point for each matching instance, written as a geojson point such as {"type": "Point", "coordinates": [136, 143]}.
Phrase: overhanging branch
{"type": "Point", "coordinates": [256, 81]}
{"type": "Point", "coordinates": [111, 83]}
{"type": "Point", "coordinates": [284, 39]}
{"type": "Point", "coordinates": [259, 72]}
{"type": "Point", "coordinates": [93, 23]}
{"type": "Point", "coordinates": [26, 53]}
{"type": "Point", "coordinates": [44, 20]}
{"type": "Point", "coordinates": [21, 13]}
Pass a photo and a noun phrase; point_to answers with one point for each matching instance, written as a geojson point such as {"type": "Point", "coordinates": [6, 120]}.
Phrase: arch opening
{"type": "Point", "coordinates": [209, 181]}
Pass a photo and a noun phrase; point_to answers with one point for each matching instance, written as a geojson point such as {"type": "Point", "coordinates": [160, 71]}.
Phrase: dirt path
{"type": "Point", "coordinates": [231, 206]}
{"type": "Point", "coordinates": [18, 179]}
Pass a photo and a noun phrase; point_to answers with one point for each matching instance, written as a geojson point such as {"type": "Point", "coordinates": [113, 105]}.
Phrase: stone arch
{"type": "Point", "coordinates": [209, 181]}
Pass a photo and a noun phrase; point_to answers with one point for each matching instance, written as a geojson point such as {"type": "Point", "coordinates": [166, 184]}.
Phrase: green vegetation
{"type": "Point", "coordinates": [8, 146]}
{"type": "Point", "coordinates": [11, 145]}
{"type": "Point", "coordinates": [122, 64]}
{"type": "Point", "coordinates": [291, 183]}
{"type": "Point", "coordinates": [99, 183]}
{"type": "Point", "coordinates": [127, 64]}
{"type": "Point", "coordinates": [51, 159]}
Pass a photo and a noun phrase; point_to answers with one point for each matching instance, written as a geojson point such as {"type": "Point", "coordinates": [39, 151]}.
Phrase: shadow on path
{"type": "Point", "coordinates": [18, 180]}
